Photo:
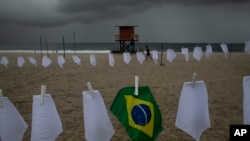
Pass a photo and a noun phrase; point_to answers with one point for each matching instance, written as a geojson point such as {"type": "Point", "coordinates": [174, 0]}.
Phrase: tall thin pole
{"type": "Point", "coordinates": [74, 43]}
{"type": "Point", "coordinates": [46, 46]}
{"type": "Point", "coordinates": [230, 50]}
{"type": "Point", "coordinates": [41, 46]}
{"type": "Point", "coordinates": [63, 47]}
{"type": "Point", "coordinates": [162, 54]}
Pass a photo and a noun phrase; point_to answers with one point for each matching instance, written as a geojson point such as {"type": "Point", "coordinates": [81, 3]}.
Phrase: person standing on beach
{"type": "Point", "coordinates": [148, 53]}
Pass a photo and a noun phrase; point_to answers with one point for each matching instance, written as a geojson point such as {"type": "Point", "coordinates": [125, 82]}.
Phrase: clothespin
{"type": "Point", "coordinates": [194, 80]}
{"type": "Point", "coordinates": [1, 98]}
{"type": "Point", "coordinates": [43, 90]}
{"type": "Point", "coordinates": [136, 85]}
{"type": "Point", "coordinates": [90, 89]}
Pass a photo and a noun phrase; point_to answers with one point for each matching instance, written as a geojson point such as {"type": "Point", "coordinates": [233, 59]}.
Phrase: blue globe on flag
{"type": "Point", "coordinates": [141, 114]}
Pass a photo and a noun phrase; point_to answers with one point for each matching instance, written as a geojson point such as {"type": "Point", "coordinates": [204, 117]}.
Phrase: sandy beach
{"type": "Point", "coordinates": [223, 78]}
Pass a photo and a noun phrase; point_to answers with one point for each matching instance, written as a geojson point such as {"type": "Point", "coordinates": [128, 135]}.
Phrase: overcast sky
{"type": "Point", "coordinates": [95, 20]}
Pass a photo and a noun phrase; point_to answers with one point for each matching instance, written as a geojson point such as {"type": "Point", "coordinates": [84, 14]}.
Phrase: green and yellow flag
{"type": "Point", "coordinates": [140, 114]}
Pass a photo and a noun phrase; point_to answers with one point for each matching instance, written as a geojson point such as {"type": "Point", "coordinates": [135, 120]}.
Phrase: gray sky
{"type": "Point", "coordinates": [95, 20]}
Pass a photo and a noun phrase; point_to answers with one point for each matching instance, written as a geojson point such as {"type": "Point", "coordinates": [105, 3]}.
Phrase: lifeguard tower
{"type": "Point", "coordinates": [127, 38]}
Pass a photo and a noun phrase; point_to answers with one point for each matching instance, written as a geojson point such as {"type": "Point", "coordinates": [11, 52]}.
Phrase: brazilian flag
{"type": "Point", "coordinates": [140, 114]}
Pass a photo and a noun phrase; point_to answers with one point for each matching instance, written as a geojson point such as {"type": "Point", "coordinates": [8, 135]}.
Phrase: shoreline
{"type": "Point", "coordinates": [55, 51]}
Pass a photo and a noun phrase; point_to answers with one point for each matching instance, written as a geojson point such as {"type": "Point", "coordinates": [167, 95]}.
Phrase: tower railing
{"type": "Point", "coordinates": [134, 37]}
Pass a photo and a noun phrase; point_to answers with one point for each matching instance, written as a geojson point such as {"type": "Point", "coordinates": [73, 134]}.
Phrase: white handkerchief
{"type": "Point", "coordinates": [184, 51]}
{"type": "Point", "coordinates": [224, 49]}
{"type": "Point", "coordinates": [60, 61]}
{"type": "Point", "coordinates": [4, 61]}
{"type": "Point", "coordinates": [92, 60]}
{"type": "Point", "coordinates": [140, 57]}
{"type": "Point", "coordinates": [111, 60]}
{"type": "Point", "coordinates": [246, 99]}
{"type": "Point", "coordinates": [247, 47]}
{"type": "Point", "coordinates": [46, 61]}
{"type": "Point", "coordinates": [46, 123]}
{"type": "Point", "coordinates": [12, 125]}
{"type": "Point", "coordinates": [197, 54]}
{"type": "Point", "coordinates": [126, 57]}
{"type": "Point", "coordinates": [32, 60]}
{"type": "Point", "coordinates": [98, 126]}
{"type": "Point", "coordinates": [170, 55]}
{"type": "Point", "coordinates": [209, 50]}
{"type": "Point", "coordinates": [155, 55]}
{"type": "Point", "coordinates": [20, 61]}
{"type": "Point", "coordinates": [193, 113]}
{"type": "Point", "coordinates": [76, 59]}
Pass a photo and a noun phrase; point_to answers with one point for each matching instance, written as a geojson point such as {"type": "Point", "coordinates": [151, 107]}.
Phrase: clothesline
{"type": "Point", "coordinates": [103, 89]}
{"type": "Point", "coordinates": [46, 61]}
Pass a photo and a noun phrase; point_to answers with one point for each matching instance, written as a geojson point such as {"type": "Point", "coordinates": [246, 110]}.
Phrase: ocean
{"type": "Point", "coordinates": [104, 47]}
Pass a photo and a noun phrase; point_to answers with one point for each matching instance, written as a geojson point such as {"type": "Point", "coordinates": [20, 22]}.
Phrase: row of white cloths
{"type": "Point", "coordinates": [46, 123]}
{"type": "Point", "coordinates": [46, 61]}
{"type": "Point", "coordinates": [197, 55]}
{"type": "Point", "coordinates": [139, 56]}
{"type": "Point", "coordinates": [170, 56]}
{"type": "Point", "coordinates": [197, 52]}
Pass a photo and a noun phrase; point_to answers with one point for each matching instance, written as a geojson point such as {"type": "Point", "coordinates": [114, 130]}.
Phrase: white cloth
{"type": "Point", "coordinates": [12, 125]}
{"type": "Point", "coordinates": [126, 57]}
{"type": "Point", "coordinates": [46, 123]}
{"type": "Point", "coordinates": [20, 61]}
{"type": "Point", "coordinates": [140, 57]}
{"type": "Point", "coordinates": [76, 59]}
{"type": "Point", "coordinates": [111, 60]}
{"type": "Point", "coordinates": [246, 99]}
{"type": "Point", "coordinates": [98, 126]}
{"type": "Point", "coordinates": [197, 54]}
{"type": "Point", "coordinates": [92, 60]}
{"type": "Point", "coordinates": [170, 55]}
{"type": "Point", "coordinates": [224, 49]}
{"type": "Point", "coordinates": [247, 47]}
{"type": "Point", "coordinates": [193, 113]}
{"type": "Point", "coordinates": [60, 61]}
{"type": "Point", "coordinates": [46, 61]}
{"type": "Point", "coordinates": [184, 51]}
{"type": "Point", "coordinates": [4, 61]}
{"type": "Point", "coordinates": [32, 60]}
{"type": "Point", "coordinates": [155, 56]}
{"type": "Point", "coordinates": [209, 50]}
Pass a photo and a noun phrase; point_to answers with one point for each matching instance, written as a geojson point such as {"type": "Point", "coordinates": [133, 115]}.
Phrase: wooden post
{"type": "Point", "coordinates": [230, 50]}
{"type": "Point", "coordinates": [46, 46]}
{"type": "Point", "coordinates": [161, 55]}
{"type": "Point", "coordinates": [63, 47]}
{"type": "Point", "coordinates": [74, 43]}
{"type": "Point", "coordinates": [41, 46]}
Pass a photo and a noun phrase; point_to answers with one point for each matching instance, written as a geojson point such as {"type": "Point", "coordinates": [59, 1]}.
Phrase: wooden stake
{"type": "Point", "coordinates": [74, 43]}
{"type": "Point", "coordinates": [46, 46]}
{"type": "Point", "coordinates": [161, 55]}
{"type": "Point", "coordinates": [63, 47]}
{"type": "Point", "coordinates": [41, 47]}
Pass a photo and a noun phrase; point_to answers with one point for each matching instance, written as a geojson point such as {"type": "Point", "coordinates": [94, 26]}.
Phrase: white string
{"type": "Point", "coordinates": [103, 89]}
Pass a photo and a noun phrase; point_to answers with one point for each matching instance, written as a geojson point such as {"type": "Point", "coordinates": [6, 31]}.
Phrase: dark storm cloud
{"type": "Point", "coordinates": [72, 6]}
{"type": "Point", "coordinates": [50, 13]}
